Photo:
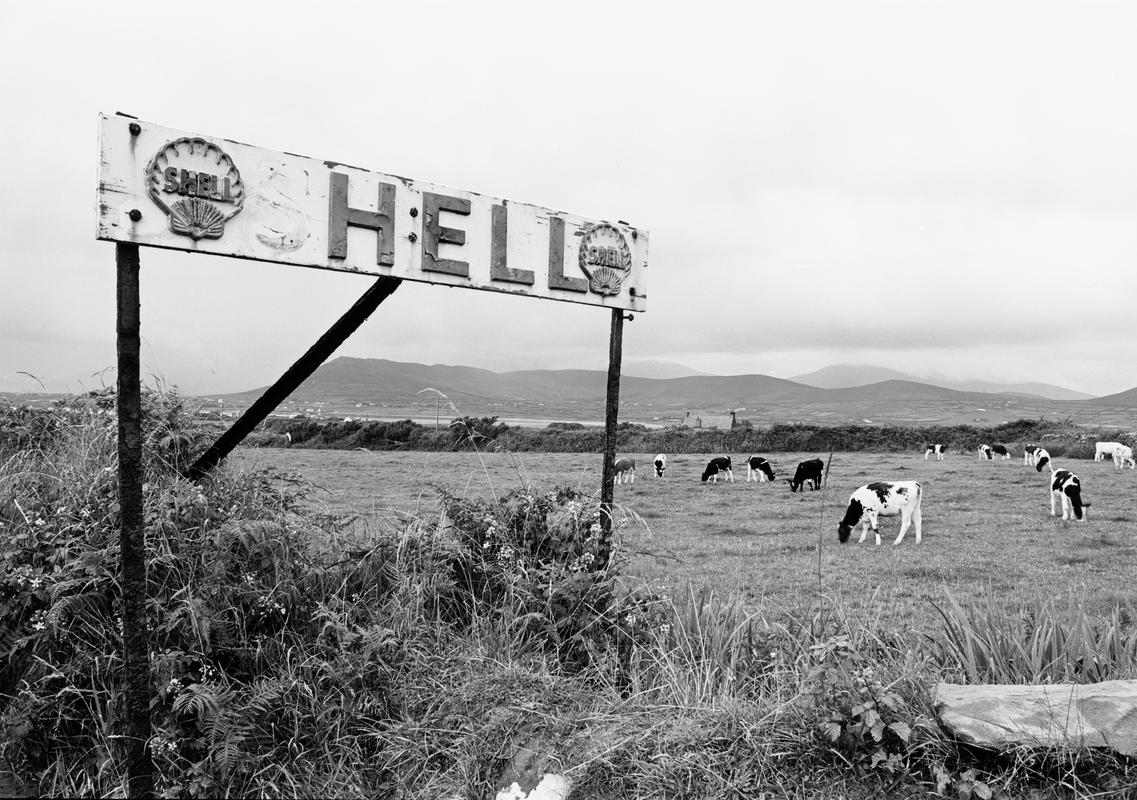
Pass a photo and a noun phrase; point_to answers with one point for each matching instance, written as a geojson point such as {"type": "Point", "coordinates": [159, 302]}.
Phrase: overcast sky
{"type": "Point", "coordinates": [938, 187]}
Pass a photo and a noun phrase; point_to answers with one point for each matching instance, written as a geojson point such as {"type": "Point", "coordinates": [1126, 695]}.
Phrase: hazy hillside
{"type": "Point", "coordinates": [382, 388]}
{"type": "Point", "coordinates": [647, 368]}
{"type": "Point", "coordinates": [1047, 390]}
{"type": "Point", "coordinates": [894, 390]}
{"type": "Point", "coordinates": [1128, 398]}
{"type": "Point", "coordinates": [841, 376]}
{"type": "Point", "coordinates": [382, 383]}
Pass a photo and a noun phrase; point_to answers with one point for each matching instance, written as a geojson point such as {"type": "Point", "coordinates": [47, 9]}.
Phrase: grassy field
{"type": "Point", "coordinates": [986, 524]}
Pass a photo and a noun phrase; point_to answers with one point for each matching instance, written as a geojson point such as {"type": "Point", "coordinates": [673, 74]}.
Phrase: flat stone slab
{"type": "Point", "coordinates": [1065, 715]}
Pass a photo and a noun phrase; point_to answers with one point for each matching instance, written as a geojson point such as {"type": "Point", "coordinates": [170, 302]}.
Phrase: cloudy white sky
{"type": "Point", "coordinates": [945, 187]}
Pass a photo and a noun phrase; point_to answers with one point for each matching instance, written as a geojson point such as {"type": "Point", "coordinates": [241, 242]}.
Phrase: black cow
{"type": "Point", "coordinates": [1001, 451]}
{"type": "Point", "coordinates": [717, 465]}
{"type": "Point", "coordinates": [759, 468]}
{"type": "Point", "coordinates": [807, 472]}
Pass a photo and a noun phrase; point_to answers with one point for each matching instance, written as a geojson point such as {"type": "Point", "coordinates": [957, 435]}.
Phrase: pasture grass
{"type": "Point", "coordinates": [987, 524]}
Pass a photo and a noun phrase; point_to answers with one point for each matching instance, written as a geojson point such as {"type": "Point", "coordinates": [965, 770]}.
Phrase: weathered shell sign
{"type": "Point", "coordinates": [167, 188]}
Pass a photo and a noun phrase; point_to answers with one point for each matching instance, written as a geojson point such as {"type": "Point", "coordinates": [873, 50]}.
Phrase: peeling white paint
{"type": "Point", "coordinates": [285, 219]}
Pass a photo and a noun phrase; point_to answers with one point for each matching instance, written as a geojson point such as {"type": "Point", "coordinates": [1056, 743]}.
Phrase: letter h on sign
{"type": "Point", "coordinates": [340, 215]}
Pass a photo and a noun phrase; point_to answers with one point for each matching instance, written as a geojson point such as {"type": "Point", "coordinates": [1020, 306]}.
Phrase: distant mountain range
{"type": "Point", "coordinates": [361, 387]}
{"type": "Point", "coordinates": [646, 368]}
{"type": "Point", "coordinates": [845, 375]}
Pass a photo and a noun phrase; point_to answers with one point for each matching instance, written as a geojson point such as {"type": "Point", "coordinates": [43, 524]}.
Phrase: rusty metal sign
{"type": "Point", "coordinates": [166, 188]}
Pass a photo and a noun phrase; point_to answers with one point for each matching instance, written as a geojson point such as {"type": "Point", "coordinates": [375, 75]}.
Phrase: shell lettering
{"type": "Point", "coordinates": [605, 258]}
{"type": "Point", "coordinates": [206, 179]}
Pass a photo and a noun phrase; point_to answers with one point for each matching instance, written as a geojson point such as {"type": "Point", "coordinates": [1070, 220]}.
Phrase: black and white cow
{"type": "Point", "coordinates": [717, 465]}
{"type": "Point", "coordinates": [1042, 459]}
{"type": "Point", "coordinates": [1028, 454]}
{"type": "Point", "coordinates": [759, 468]}
{"type": "Point", "coordinates": [660, 464]}
{"type": "Point", "coordinates": [1001, 451]}
{"type": "Point", "coordinates": [807, 472]}
{"type": "Point", "coordinates": [625, 471]}
{"type": "Point", "coordinates": [937, 449]}
{"type": "Point", "coordinates": [872, 501]}
{"type": "Point", "coordinates": [1065, 484]}
{"type": "Point", "coordinates": [984, 452]}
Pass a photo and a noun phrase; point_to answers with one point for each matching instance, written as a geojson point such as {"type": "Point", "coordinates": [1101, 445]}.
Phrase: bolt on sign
{"type": "Point", "coordinates": [204, 194]}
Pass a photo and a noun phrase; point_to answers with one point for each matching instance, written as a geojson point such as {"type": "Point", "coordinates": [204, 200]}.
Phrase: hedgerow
{"type": "Point", "coordinates": [1061, 438]}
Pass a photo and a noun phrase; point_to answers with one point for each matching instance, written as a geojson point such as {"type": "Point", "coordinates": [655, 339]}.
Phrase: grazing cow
{"type": "Point", "coordinates": [875, 500]}
{"type": "Point", "coordinates": [1065, 484]}
{"type": "Point", "coordinates": [1001, 451]}
{"type": "Point", "coordinates": [807, 472]}
{"type": "Point", "coordinates": [937, 449]}
{"type": "Point", "coordinates": [625, 471]}
{"type": "Point", "coordinates": [660, 465]}
{"type": "Point", "coordinates": [1122, 455]}
{"type": "Point", "coordinates": [717, 465]}
{"type": "Point", "coordinates": [984, 452]}
{"type": "Point", "coordinates": [1105, 449]}
{"type": "Point", "coordinates": [759, 468]}
{"type": "Point", "coordinates": [1041, 459]}
{"type": "Point", "coordinates": [1029, 454]}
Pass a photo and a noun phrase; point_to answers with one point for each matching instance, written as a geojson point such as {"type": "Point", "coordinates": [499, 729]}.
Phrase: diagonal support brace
{"type": "Point", "coordinates": [299, 372]}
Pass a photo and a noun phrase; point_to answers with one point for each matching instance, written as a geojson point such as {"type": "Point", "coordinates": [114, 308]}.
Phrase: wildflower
{"type": "Point", "coordinates": [160, 743]}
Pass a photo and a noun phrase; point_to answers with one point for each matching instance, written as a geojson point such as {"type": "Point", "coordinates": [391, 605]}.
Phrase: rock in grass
{"type": "Point", "coordinates": [1057, 715]}
{"type": "Point", "coordinates": [551, 787]}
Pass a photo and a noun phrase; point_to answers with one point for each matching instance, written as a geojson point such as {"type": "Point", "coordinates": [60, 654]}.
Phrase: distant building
{"type": "Point", "coordinates": [722, 422]}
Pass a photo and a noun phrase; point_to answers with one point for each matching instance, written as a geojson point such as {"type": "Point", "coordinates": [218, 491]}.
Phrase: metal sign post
{"type": "Point", "coordinates": [135, 731]}
{"type": "Point", "coordinates": [611, 409]}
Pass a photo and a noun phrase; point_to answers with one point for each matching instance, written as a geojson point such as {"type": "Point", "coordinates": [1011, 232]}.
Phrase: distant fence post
{"type": "Point", "coordinates": [133, 729]}
{"type": "Point", "coordinates": [611, 410]}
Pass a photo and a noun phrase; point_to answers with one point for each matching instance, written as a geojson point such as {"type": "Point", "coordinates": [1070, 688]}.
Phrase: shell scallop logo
{"type": "Point", "coordinates": [605, 258]}
{"type": "Point", "coordinates": [197, 185]}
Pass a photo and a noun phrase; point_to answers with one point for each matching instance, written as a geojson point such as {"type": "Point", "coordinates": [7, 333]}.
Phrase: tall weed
{"type": "Point", "coordinates": [1051, 640]}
